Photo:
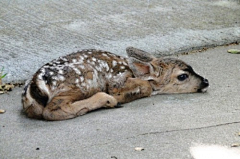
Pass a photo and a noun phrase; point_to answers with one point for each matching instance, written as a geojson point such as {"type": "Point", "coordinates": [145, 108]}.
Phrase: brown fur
{"type": "Point", "coordinates": [90, 79]}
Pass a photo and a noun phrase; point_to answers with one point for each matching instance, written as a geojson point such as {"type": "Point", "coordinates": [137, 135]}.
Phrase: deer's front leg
{"type": "Point", "coordinates": [132, 89]}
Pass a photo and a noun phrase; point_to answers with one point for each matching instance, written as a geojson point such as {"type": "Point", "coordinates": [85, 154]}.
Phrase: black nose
{"type": "Point", "coordinates": [205, 82]}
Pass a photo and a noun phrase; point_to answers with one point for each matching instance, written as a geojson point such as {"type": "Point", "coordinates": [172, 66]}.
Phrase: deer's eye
{"type": "Point", "coordinates": [182, 77]}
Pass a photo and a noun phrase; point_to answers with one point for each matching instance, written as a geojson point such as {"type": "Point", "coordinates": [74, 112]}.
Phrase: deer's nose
{"type": "Point", "coordinates": [205, 82]}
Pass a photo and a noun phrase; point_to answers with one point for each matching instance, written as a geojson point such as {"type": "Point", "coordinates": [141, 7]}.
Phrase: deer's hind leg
{"type": "Point", "coordinates": [63, 107]}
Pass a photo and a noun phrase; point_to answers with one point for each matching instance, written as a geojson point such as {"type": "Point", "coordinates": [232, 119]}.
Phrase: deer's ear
{"type": "Point", "coordinates": [142, 64]}
{"type": "Point", "coordinates": [139, 54]}
{"type": "Point", "coordinates": [143, 70]}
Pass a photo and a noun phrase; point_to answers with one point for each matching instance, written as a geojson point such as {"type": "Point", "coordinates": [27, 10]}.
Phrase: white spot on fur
{"type": "Point", "coordinates": [104, 55]}
{"type": "Point", "coordinates": [61, 78]}
{"type": "Point", "coordinates": [77, 81]}
{"type": "Point", "coordinates": [80, 61]}
{"type": "Point", "coordinates": [60, 71]}
{"type": "Point", "coordinates": [104, 65]}
{"type": "Point", "coordinates": [81, 78]}
{"type": "Point", "coordinates": [40, 76]}
{"type": "Point", "coordinates": [99, 68]}
{"type": "Point", "coordinates": [101, 64]}
{"type": "Point", "coordinates": [42, 70]}
{"type": "Point", "coordinates": [54, 83]}
{"type": "Point", "coordinates": [95, 73]}
{"type": "Point", "coordinates": [120, 73]}
{"type": "Point", "coordinates": [64, 59]}
{"type": "Point", "coordinates": [74, 60]}
{"type": "Point", "coordinates": [124, 63]}
{"type": "Point", "coordinates": [52, 67]}
{"type": "Point", "coordinates": [51, 73]}
{"type": "Point", "coordinates": [46, 66]}
{"type": "Point", "coordinates": [83, 84]}
{"type": "Point", "coordinates": [114, 63]}
{"type": "Point", "coordinates": [43, 87]}
{"type": "Point", "coordinates": [122, 67]}
{"type": "Point", "coordinates": [81, 58]}
{"type": "Point", "coordinates": [93, 63]}
{"type": "Point", "coordinates": [107, 67]}
{"type": "Point", "coordinates": [94, 59]}
{"type": "Point", "coordinates": [82, 67]}
{"type": "Point", "coordinates": [55, 78]}
{"type": "Point", "coordinates": [109, 76]}
{"type": "Point", "coordinates": [77, 70]}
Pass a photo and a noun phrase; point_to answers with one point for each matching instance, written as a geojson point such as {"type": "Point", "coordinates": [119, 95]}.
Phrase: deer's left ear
{"type": "Point", "coordinates": [139, 54]}
{"type": "Point", "coordinates": [142, 64]}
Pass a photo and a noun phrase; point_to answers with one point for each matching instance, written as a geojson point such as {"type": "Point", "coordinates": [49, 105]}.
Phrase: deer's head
{"type": "Point", "coordinates": [166, 75]}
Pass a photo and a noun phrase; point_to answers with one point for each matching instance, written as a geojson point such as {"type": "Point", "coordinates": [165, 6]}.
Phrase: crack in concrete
{"type": "Point", "coordinates": [167, 131]}
{"type": "Point", "coordinates": [187, 129]}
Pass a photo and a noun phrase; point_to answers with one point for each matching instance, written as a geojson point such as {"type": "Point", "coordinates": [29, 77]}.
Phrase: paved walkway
{"type": "Point", "coordinates": [182, 126]}
{"type": "Point", "coordinates": [166, 126]}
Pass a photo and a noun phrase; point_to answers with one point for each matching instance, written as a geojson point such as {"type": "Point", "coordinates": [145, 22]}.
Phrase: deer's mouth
{"type": "Point", "coordinates": [204, 86]}
{"type": "Point", "coordinates": [202, 90]}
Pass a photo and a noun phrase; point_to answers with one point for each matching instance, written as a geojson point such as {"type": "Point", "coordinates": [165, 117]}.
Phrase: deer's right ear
{"type": "Point", "coordinates": [141, 63]}
{"type": "Point", "coordinates": [140, 69]}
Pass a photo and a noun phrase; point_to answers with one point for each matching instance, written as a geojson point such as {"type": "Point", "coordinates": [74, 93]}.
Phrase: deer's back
{"type": "Point", "coordinates": [85, 73]}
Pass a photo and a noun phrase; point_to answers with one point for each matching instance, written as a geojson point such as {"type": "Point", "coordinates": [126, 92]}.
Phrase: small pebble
{"type": "Point", "coordinates": [235, 145]}
{"type": "Point", "coordinates": [139, 148]}
{"type": "Point", "coordinates": [2, 111]}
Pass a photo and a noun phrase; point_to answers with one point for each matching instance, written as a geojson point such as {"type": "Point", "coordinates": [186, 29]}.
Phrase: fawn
{"type": "Point", "coordinates": [80, 82]}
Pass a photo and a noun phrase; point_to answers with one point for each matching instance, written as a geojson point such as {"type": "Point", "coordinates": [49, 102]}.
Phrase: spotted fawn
{"type": "Point", "coordinates": [80, 82]}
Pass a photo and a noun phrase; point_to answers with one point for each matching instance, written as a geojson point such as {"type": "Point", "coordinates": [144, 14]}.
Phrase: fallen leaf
{"type": "Point", "coordinates": [234, 51]}
{"type": "Point", "coordinates": [139, 148]}
{"type": "Point", "coordinates": [6, 87]}
{"type": "Point", "coordinates": [9, 87]}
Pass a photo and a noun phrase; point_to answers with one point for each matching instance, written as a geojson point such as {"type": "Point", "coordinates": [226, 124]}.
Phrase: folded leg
{"type": "Point", "coordinates": [132, 89]}
{"type": "Point", "coordinates": [63, 107]}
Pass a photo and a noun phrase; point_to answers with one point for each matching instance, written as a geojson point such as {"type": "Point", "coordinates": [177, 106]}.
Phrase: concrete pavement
{"type": "Point", "coordinates": [166, 126]}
